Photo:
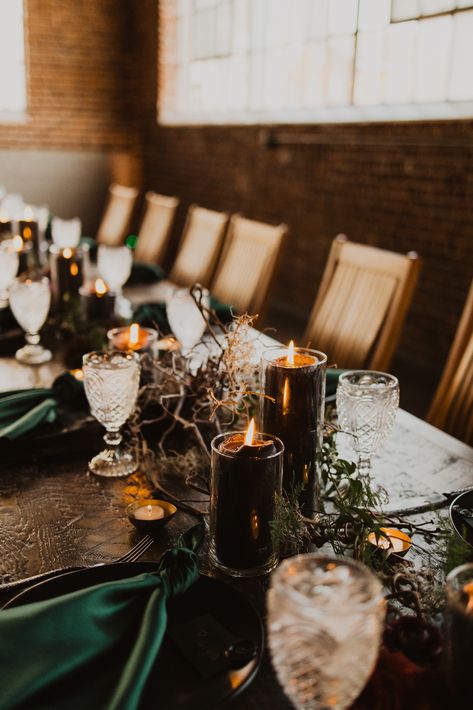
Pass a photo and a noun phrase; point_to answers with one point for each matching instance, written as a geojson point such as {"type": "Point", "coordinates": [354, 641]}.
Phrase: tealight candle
{"type": "Point", "coordinates": [132, 337]}
{"type": "Point", "coordinates": [246, 476]}
{"type": "Point", "coordinates": [393, 541]}
{"type": "Point", "coordinates": [150, 514]}
{"type": "Point", "coordinates": [29, 232]}
{"type": "Point", "coordinates": [97, 301]}
{"type": "Point", "coordinates": [293, 409]}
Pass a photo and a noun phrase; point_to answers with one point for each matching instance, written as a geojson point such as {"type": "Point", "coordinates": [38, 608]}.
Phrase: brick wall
{"type": "Point", "coordinates": [79, 66]}
{"type": "Point", "coordinates": [405, 186]}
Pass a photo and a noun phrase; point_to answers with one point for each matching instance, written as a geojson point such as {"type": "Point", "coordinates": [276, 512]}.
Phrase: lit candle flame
{"type": "Point", "coordinates": [74, 269]}
{"type": "Point", "coordinates": [100, 287]}
{"type": "Point", "coordinates": [134, 335]}
{"type": "Point", "coordinates": [290, 353]}
{"type": "Point", "coordinates": [17, 243]}
{"type": "Point", "coordinates": [285, 396]}
{"type": "Point", "coordinates": [250, 432]}
{"type": "Point", "coordinates": [67, 253]}
{"type": "Point", "coordinates": [150, 509]}
{"type": "Point", "coordinates": [78, 374]}
{"type": "Point", "coordinates": [468, 589]}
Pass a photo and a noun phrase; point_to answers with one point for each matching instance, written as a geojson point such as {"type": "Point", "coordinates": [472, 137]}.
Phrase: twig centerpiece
{"type": "Point", "coordinates": [293, 409]}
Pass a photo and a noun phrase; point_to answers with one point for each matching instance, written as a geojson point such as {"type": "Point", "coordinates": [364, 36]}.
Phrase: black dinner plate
{"type": "Point", "coordinates": [461, 521]}
{"type": "Point", "coordinates": [174, 679]}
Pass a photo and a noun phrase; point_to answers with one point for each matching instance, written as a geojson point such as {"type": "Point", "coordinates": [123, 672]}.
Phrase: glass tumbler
{"type": "Point", "coordinates": [30, 300]}
{"type": "Point", "coordinates": [114, 265]}
{"type": "Point", "coordinates": [325, 619]}
{"type": "Point", "coordinates": [367, 402]}
{"type": "Point", "coordinates": [111, 380]}
{"type": "Point", "coordinates": [9, 263]}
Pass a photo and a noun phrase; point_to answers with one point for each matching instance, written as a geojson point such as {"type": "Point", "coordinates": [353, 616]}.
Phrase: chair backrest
{"type": "Point", "coordinates": [248, 264]}
{"type": "Point", "coordinates": [155, 229]}
{"type": "Point", "coordinates": [452, 405]}
{"type": "Point", "coordinates": [117, 215]}
{"type": "Point", "coordinates": [361, 304]}
{"type": "Point", "coordinates": [200, 247]}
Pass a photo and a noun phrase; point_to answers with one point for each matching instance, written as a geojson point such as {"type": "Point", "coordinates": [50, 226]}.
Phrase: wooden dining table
{"type": "Point", "coordinates": [54, 513]}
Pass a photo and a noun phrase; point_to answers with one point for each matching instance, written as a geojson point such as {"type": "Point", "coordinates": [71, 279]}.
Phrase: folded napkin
{"type": "Point", "coordinates": [23, 410]}
{"type": "Point", "coordinates": [151, 314]}
{"type": "Point", "coordinates": [92, 648]}
{"type": "Point", "coordinates": [66, 232]}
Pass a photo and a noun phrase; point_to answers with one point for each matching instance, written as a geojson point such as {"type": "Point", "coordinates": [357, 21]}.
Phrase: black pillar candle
{"type": "Point", "coordinates": [6, 228]}
{"type": "Point", "coordinates": [244, 483]}
{"type": "Point", "coordinates": [97, 301]}
{"type": "Point", "coordinates": [293, 410]}
{"type": "Point", "coordinates": [67, 273]}
{"type": "Point", "coordinates": [29, 232]}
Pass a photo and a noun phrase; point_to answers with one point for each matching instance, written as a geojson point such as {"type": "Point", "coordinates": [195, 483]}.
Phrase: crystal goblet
{"type": "Point", "coordinates": [183, 310]}
{"type": "Point", "coordinates": [111, 380]}
{"type": "Point", "coordinates": [9, 263]}
{"type": "Point", "coordinates": [30, 299]}
{"type": "Point", "coordinates": [325, 619]}
{"type": "Point", "coordinates": [114, 266]}
{"type": "Point", "coordinates": [367, 402]}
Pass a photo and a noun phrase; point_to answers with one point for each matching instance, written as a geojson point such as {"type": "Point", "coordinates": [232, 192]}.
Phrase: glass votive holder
{"type": "Point", "coordinates": [459, 589]}
{"type": "Point", "coordinates": [141, 340]}
{"type": "Point", "coordinates": [245, 481]}
{"type": "Point", "coordinates": [293, 381]}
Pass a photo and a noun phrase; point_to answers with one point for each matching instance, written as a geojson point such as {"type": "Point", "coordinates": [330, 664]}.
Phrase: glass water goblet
{"type": "Point", "coordinates": [367, 402]}
{"type": "Point", "coordinates": [111, 380]}
{"type": "Point", "coordinates": [185, 316]}
{"type": "Point", "coordinates": [325, 619]}
{"type": "Point", "coordinates": [9, 263]}
{"type": "Point", "coordinates": [114, 265]}
{"type": "Point", "coordinates": [30, 300]}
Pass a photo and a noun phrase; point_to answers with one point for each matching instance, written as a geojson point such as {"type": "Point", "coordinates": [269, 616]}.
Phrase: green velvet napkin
{"type": "Point", "coordinates": [144, 273]}
{"type": "Point", "coordinates": [92, 648]}
{"type": "Point", "coordinates": [22, 411]}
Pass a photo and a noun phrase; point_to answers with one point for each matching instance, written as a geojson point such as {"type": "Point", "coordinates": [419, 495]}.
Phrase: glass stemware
{"type": "Point", "coordinates": [111, 380]}
{"type": "Point", "coordinates": [29, 302]}
{"type": "Point", "coordinates": [367, 403]}
{"type": "Point", "coordinates": [325, 619]}
{"type": "Point", "coordinates": [9, 263]}
{"type": "Point", "coordinates": [114, 265]}
{"type": "Point", "coordinates": [185, 317]}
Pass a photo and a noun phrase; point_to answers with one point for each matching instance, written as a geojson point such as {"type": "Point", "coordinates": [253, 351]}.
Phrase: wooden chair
{"type": "Point", "coordinates": [200, 247]}
{"type": "Point", "coordinates": [452, 405]}
{"type": "Point", "coordinates": [117, 215]}
{"type": "Point", "coordinates": [248, 264]}
{"type": "Point", "coordinates": [155, 229]}
{"type": "Point", "coordinates": [361, 304]}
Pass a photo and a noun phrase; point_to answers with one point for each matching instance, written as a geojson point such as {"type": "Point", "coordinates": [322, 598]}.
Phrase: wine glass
{"type": "Point", "coordinates": [325, 619]}
{"type": "Point", "coordinates": [30, 299]}
{"type": "Point", "coordinates": [367, 403]}
{"type": "Point", "coordinates": [114, 266]}
{"type": "Point", "coordinates": [111, 381]}
{"type": "Point", "coordinates": [9, 263]}
{"type": "Point", "coordinates": [185, 316]}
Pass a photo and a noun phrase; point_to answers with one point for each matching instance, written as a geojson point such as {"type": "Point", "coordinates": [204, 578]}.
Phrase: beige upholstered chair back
{"type": "Point", "coordinates": [452, 406]}
{"type": "Point", "coordinates": [155, 229]}
{"type": "Point", "coordinates": [248, 264]}
{"type": "Point", "coordinates": [117, 215]}
{"type": "Point", "coordinates": [200, 247]}
{"type": "Point", "coordinates": [361, 305]}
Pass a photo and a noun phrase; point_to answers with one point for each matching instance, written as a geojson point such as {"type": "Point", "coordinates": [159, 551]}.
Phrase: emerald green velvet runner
{"type": "Point", "coordinates": [22, 411]}
{"type": "Point", "coordinates": [93, 648]}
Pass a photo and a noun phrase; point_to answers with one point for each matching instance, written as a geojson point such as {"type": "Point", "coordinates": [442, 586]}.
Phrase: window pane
{"type": "Point", "coordinates": [342, 16]}
{"type": "Point", "coordinates": [369, 69]}
{"type": "Point", "coordinates": [433, 57]}
{"type": "Point", "coordinates": [340, 70]}
{"type": "Point", "coordinates": [461, 82]}
{"type": "Point", "coordinates": [400, 58]}
{"type": "Point", "coordinates": [374, 14]}
{"type": "Point", "coordinates": [405, 9]}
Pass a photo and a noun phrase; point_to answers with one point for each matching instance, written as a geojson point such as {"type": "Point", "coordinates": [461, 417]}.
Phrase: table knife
{"type": "Point", "coordinates": [422, 504]}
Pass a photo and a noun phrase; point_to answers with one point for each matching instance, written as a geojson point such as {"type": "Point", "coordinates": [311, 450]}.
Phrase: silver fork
{"type": "Point", "coordinates": [131, 556]}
